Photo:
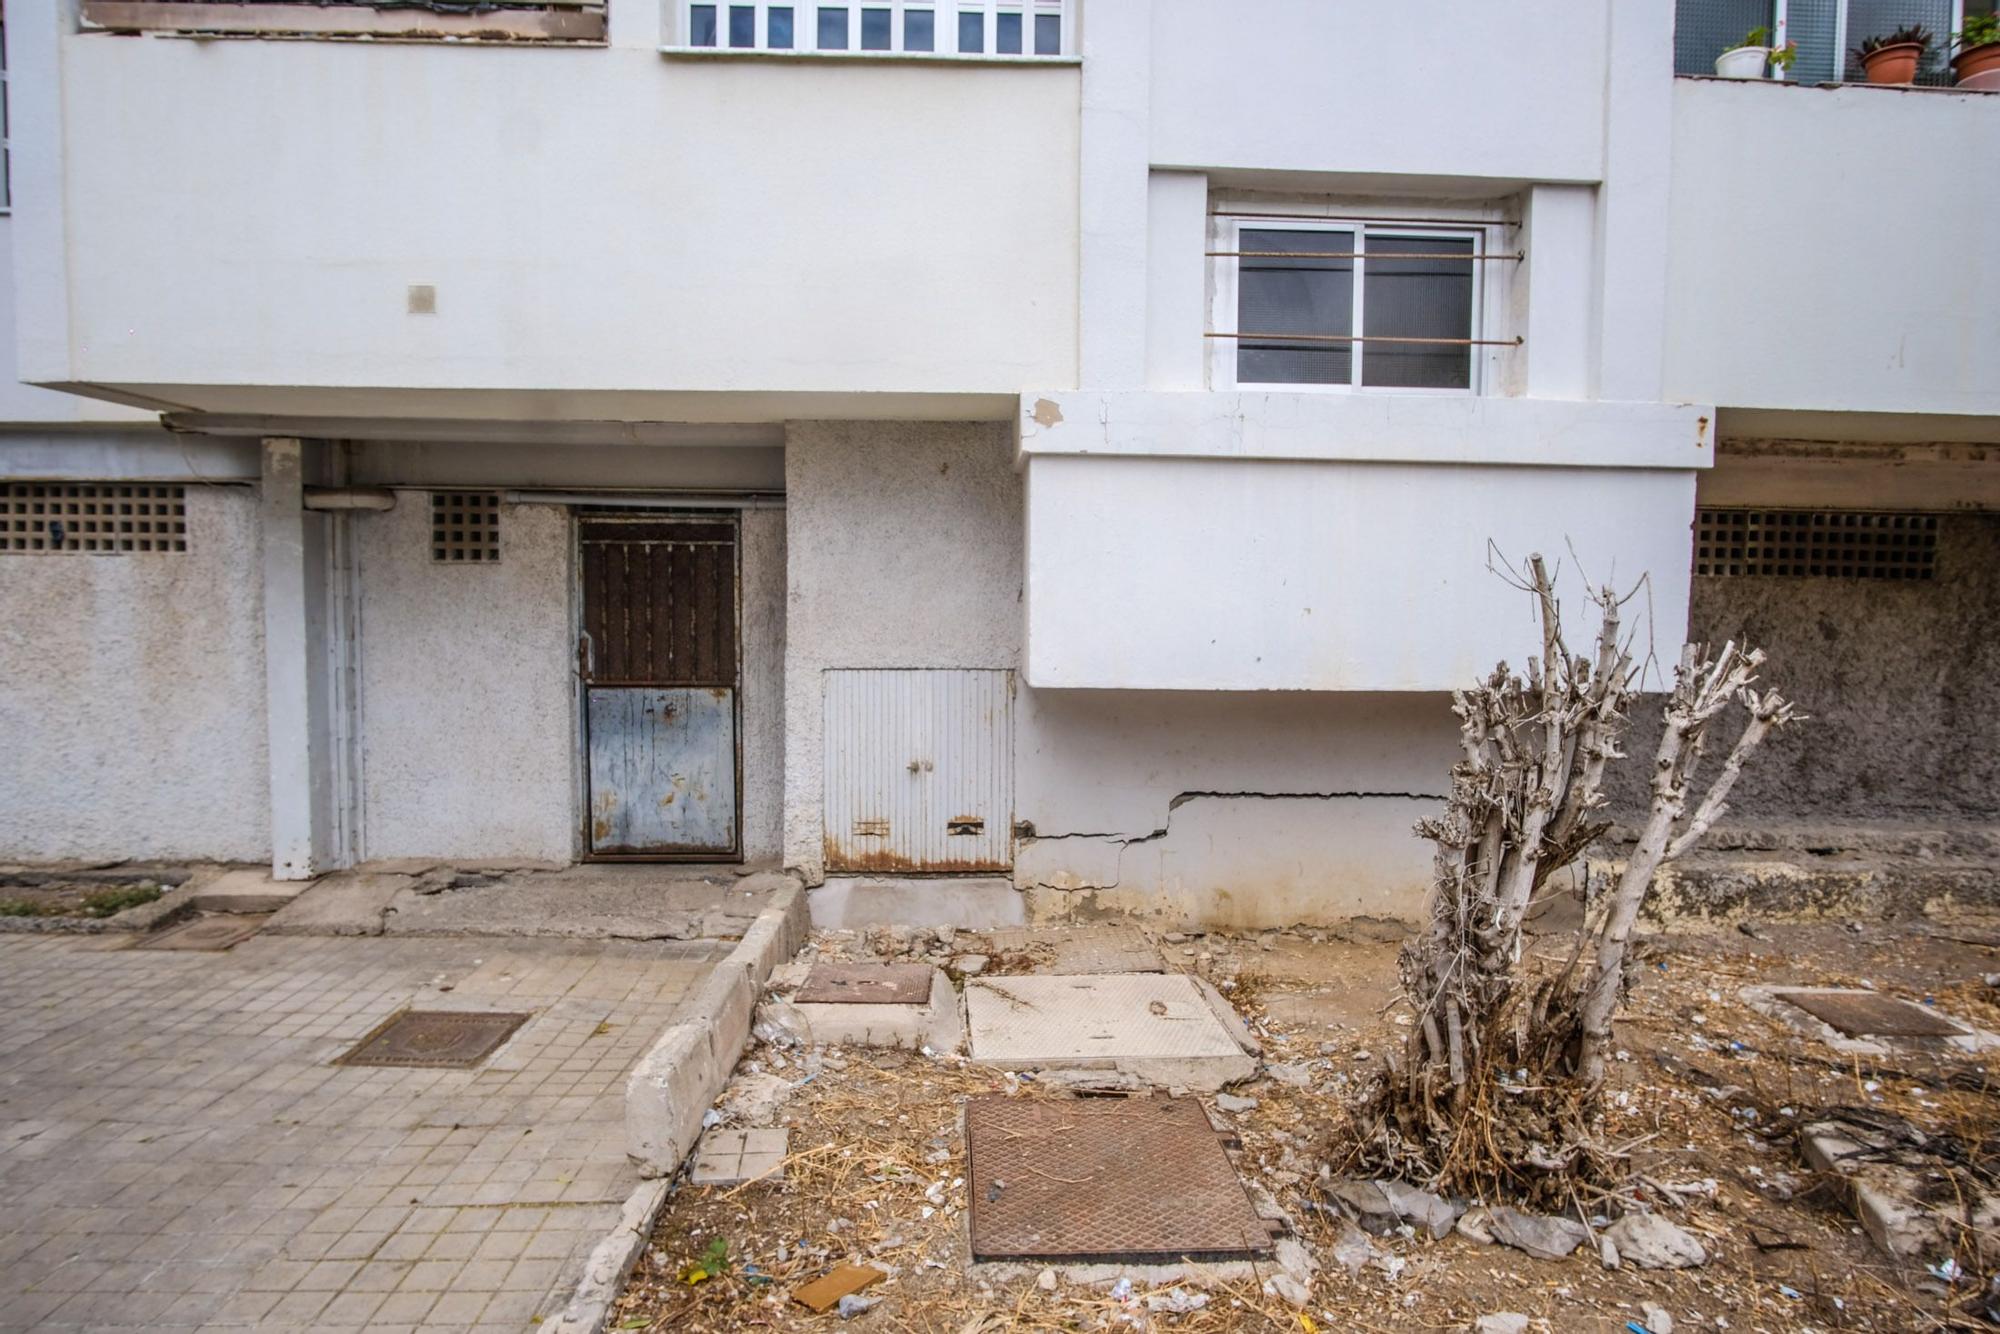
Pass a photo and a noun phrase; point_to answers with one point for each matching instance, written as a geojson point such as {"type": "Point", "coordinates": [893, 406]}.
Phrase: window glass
{"type": "Point", "coordinates": [919, 30]}
{"type": "Point", "coordinates": [743, 25]}
{"type": "Point", "coordinates": [833, 30]}
{"type": "Point", "coordinates": [778, 28]}
{"type": "Point", "coordinates": [701, 25]}
{"type": "Point", "coordinates": [1007, 34]}
{"type": "Point", "coordinates": [874, 30]}
{"type": "Point", "coordinates": [1281, 289]}
{"type": "Point", "coordinates": [1048, 34]}
{"type": "Point", "coordinates": [971, 32]}
{"type": "Point", "coordinates": [1417, 298]}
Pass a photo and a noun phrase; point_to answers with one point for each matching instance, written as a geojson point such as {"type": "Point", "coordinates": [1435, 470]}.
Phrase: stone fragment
{"type": "Point", "coordinates": [1657, 1319]}
{"type": "Point", "coordinates": [1476, 1225]}
{"type": "Point", "coordinates": [1652, 1242]}
{"type": "Point", "coordinates": [1354, 1252]}
{"type": "Point", "coordinates": [1046, 1280]}
{"type": "Point", "coordinates": [1229, 1102]}
{"type": "Point", "coordinates": [970, 965]}
{"type": "Point", "coordinates": [1607, 1252]}
{"type": "Point", "coordinates": [1543, 1237]}
{"type": "Point", "coordinates": [1298, 1076]}
{"type": "Point", "coordinates": [1502, 1322]}
{"type": "Point", "coordinates": [1288, 1290]}
{"type": "Point", "coordinates": [1295, 1259]}
{"type": "Point", "coordinates": [1383, 1206]}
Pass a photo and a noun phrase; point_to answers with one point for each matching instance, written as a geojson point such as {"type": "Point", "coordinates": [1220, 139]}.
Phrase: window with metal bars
{"type": "Point", "coordinates": [1815, 544]}
{"type": "Point", "coordinates": [465, 527]}
{"type": "Point", "coordinates": [1826, 33]}
{"type": "Point", "coordinates": [911, 27]}
{"type": "Point", "coordinates": [92, 518]}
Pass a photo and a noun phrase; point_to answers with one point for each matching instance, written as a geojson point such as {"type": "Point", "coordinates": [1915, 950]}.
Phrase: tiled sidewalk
{"type": "Point", "coordinates": [178, 1153]}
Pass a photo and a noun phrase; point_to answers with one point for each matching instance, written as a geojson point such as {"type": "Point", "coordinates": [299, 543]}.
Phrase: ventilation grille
{"type": "Point", "coordinates": [1815, 544]}
{"type": "Point", "coordinates": [73, 519]}
{"type": "Point", "coordinates": [465, 527]}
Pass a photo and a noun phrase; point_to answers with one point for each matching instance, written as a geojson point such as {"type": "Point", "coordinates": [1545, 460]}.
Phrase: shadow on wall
{"type": "Point", "coordinates": [1901, 681]}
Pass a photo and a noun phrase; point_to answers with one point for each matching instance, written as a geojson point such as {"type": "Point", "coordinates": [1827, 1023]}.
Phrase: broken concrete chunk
{"type": "Point", "coordinates": [1354, 1252]}
{"type": "Point", "coordinates": [1652, 1242]}
{"type": "Point", "coordinates": [1298, 1076]}
{"type": "Point", "coordinates": [1433, 1213]}
{"type": "Point", "coordinates": [1502, 1322]}
{"type": "Point", "coordinates": [970, 965]}
{"type": "Point", "coordinates": [1229, 1102]}
{"type": "Point", "coordinates": [1657, 1319]}
{"type": "Point", "coordinates": [1543, 1237]}
{"type": "Point", "coordinates": [1288, 1290]}
{"type": "Point", "coordinates": [1607, 1253]}
{"type": "Point", "coordinates": [1296, 1260]}
{"type": "Point", "coordinates": [1476, 1225]}
{"type": "Point", "coordinates": [1046, 1280]}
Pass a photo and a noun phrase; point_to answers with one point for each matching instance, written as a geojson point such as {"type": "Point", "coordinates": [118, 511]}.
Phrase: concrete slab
{"type": "Point", "coordinates": [936, 1024]}
{"type": "Point", "coordinates": [731, 1157]}
{"type": "Point", "coordinates": [347, 903]}
{"type": "Point", "coordinates": [1158, 1027]}
{"type": "Point", "coordinates": [244, 891]}
{"type": "Point", "coordinates": [847, 903]}
{"type": "Point", "coordinates": [603, 902]}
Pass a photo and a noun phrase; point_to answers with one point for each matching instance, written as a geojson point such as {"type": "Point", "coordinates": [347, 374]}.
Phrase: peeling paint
{"type": "Point", "coordinates": [1047, 413]}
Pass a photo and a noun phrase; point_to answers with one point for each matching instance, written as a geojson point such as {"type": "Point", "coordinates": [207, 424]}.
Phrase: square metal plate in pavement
{"type": "Point", "coordinates": [1871, 1014]}
{"type": "Point", "coordinates": [1139, 1180]}
{"type": "Point", "coordinates": [866, 984]}
{"type": "Point", "coordinates": [437, 1039]}
{"type": "Point", "coordinates": [211, 933]}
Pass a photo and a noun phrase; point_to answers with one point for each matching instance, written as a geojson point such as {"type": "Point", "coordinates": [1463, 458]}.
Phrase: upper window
{"type": "Point", "coordinates": [910, 27]}
{"type": "Point", "coordinates": [1351, 305]}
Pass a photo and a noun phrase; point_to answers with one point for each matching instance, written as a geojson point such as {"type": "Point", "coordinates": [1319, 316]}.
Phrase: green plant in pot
{"type": "Point", "coordinates": [1896, 57]}
{"type": "Point", "coordinates": [1977, 64]}
{"type": "Point", "coordinates": [1746, 59]}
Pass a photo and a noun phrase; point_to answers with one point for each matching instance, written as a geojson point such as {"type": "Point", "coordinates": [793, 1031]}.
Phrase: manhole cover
{"type": "Point", "coordinates": [1104, 1179]}
{"type": "Point", "coordinates": [867, 984]}
{"type": "Point", "coordinates": [443, 1039]}
{"type": "Point", "coordinates": [212, 933]}
{"type": "Point", "coordinates": [1871, 1014]}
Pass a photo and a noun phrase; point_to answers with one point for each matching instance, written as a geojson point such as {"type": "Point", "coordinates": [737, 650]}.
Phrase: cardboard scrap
{"type": "Point", "coordinates": [824, 1293]}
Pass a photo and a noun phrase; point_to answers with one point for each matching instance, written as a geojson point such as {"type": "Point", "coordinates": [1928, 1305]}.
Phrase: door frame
{"type": "Point", "coordinates": [581, 517]}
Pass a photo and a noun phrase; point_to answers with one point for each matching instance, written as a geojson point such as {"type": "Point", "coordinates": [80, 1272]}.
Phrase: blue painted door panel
{"type": "Point", "coordinates": [662, 770]}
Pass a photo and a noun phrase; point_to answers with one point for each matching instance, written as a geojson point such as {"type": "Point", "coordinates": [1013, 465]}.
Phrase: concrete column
{"type": "Point", "coordinates": [1117, 42]}
{"type": "Point", "coordinates": [294, 666]}
{"type": "Point", "coordinates": [1632, 204]}
{"type": "Point", "coordinates": [1560, 240]}
{"type": "Point", "coordinates": [1176, 280]}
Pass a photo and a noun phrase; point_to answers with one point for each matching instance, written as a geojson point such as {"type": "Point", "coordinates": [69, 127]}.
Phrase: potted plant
{"type": "Point", "coordinates": [1894, 59]}
{"type": "Point", "coordinates": [1747, 58]}
{"type": "Point", "coordinates": [1977, 64]}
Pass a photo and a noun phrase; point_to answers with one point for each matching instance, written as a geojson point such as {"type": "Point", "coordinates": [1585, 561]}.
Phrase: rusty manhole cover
{"type": "Point", "coordinates": [1871, 1014]}
{"type": "Point", "coordinates": [440, 1039]}
{"type": "Point", "coordinates": [209, 933]}
{"type": "Point", "coordinates": [867, 984]}
{"type": "Point", "coordinates": [1104, 1179]}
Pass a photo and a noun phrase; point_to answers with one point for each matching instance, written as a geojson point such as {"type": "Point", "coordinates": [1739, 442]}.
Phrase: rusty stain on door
{"type": "Point", "coordinates": [659, 661]}
{"type": "Point", "coordinates": [919, 767]}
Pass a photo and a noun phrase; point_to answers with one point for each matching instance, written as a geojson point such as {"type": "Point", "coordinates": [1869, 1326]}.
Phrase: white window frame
{"type": "Point", "coordinates": [944, 28]}
{"type": "Point", "coordinates": [1226, 237]}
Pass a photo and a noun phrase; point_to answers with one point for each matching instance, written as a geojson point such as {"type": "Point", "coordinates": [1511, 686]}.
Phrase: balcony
{"type": "Point", "coordinates": [1821, 37]}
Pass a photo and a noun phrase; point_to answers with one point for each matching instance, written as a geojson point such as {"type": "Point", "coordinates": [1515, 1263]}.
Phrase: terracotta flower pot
{"type": "Point", "coordinates": [1980, 63]}
{"type": "Point", "coordinates": [1893, 64]}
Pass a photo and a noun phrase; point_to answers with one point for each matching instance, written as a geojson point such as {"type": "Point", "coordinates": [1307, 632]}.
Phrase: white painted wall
{"type": "Point", "coordinates": [251, 213]}
{"type": "Point", "coordinates": [1368, 86]}
{"type": "Point", "coordinates": [1832, 249]}
{"type": "Point", "coordinates": [133, 709]}
{"type": "Point", "coordinates": [467, 693]}
{"type": "Point", "coordinates": [25, 403]}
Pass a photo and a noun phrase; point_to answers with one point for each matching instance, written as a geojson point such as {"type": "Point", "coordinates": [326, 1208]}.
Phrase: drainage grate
{"type": "Point", "coordinates": [436, 1039]}
{"type": "Point", "coordinates": [1870, 1014]}
{"type": "Point", "coordinates": [81, 519]}
{"type": "Point", "coordinates": [209, 933]}
{"type": "Point", "coordinates": [867, 984]}
{"type": "Point", "coordinates": [1142, 1180]}
{"type": "Point", "coordinates": [465, 527]}
{"type": "Point", "coordinates": [1815, 544]}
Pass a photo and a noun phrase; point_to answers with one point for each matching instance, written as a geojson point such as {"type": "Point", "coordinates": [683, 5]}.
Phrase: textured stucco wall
{"type": "Point", "coordinates": [904, 546]}
{"type": "Point", "coordinates": [763, 709]}
{"type": "Point", "coordinates": [133, 709]}
{"type": "Point", "coordinates": [467, 694]}
{"type": "Point", "coordinates": [1244, 809]}
{"type": "Point", "coordinates": [1902, 682]}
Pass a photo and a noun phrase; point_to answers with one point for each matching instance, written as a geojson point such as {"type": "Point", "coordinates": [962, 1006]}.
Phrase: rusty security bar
{"type": "Point", "coordinates": [1515, 341]}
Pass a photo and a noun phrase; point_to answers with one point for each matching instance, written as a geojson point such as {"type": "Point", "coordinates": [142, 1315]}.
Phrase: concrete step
{"type": "Point", "coordinates": [244, 891]}
{"type": "Point", "coordinates": [973, 903]}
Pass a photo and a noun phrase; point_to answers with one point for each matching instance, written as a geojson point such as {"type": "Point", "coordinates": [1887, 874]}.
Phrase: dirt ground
{"type": "Point", "coordinates": [876, 1158]}
{"type": "Point", "coordinates": [74, 899]}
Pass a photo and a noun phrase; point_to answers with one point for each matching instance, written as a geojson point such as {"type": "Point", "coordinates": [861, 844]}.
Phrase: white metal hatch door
{"type": "Point", "coordinates": [919, 769]}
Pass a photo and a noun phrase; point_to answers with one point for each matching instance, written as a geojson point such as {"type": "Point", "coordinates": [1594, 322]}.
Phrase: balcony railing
{"type": "Point", "coordinates": [1825, 34]}
{"type": "Point", "coordinates": [545, 20]}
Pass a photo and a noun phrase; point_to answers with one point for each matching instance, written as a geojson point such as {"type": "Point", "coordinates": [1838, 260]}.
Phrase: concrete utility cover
{"type": "Point", "coordinates": [1158, 1026]}
{"type": "Point", "coordinates": [209, 934]}
{"type": "Point", "coordinates": [866, 984]}
{"type": "Point", "coordinates": [1104, 1179]}
{"type": "Point", "coordinates": [730, 1157]}
{"type": "Point", "coordinates": [438, 1039]}
{"type": "Point", "coordinates": [1871, 1014]}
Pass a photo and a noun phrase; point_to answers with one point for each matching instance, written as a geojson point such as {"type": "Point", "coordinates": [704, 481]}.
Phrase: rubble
{"type": "Point", "coordinates": [1652, 1242]}
{"type": "Point", "coordinates": [1542, 1236]}
{"type": "Point", "coordinates": [1503, 1322]}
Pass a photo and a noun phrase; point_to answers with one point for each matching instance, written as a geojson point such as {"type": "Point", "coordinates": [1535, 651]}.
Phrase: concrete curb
{"type": "Point", "coordinates": [675, 1082]}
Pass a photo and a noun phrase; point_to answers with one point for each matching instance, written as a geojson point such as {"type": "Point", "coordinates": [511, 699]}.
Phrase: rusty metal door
{"type": "Point", "coordinates": [659, 662]}
{"type": "Point", "coordinates": [919, 769]}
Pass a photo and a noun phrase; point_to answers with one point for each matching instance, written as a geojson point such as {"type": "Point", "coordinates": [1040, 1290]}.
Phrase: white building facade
{"type": "Point", "coordinates": [1068, 439]}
